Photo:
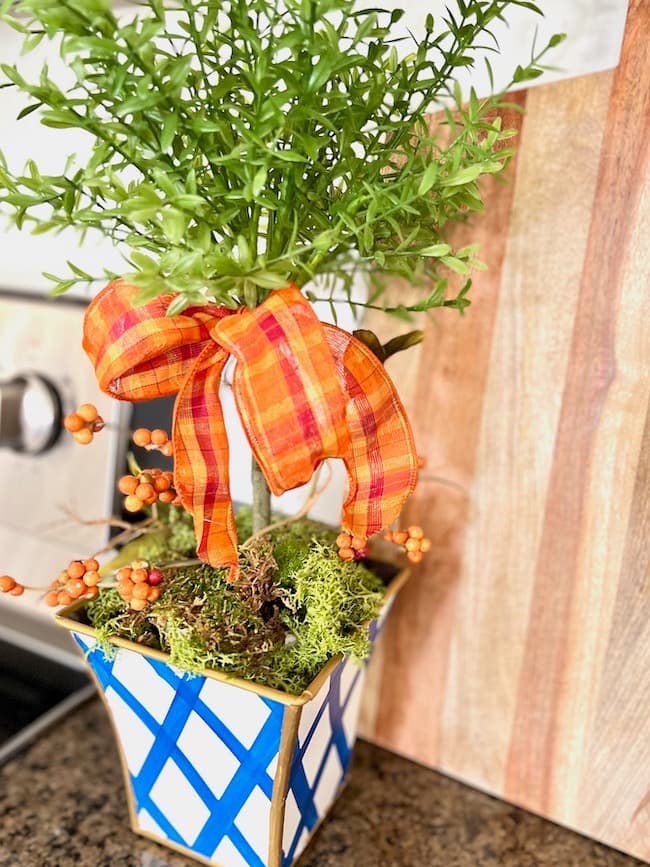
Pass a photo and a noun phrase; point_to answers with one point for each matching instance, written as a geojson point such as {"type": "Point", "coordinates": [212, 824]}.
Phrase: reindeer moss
{"type": "Point", "coordinates": [295, 606]}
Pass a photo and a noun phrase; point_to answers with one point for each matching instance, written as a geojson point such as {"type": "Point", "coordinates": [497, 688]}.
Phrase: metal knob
{"type": "Point", "coordinates": [30, 414]}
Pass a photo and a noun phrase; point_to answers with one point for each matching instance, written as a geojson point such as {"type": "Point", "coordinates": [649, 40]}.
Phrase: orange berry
{"type": "Point", "coordinates": [414, 556]}
{"type": "Point", "coordinates": [88, 412]}
{"type": "Point", "coordinates": [141, 437]}
{"type": "Point", "coordinates": [412, 544]}
{"type": "Point", "coordinates": [125, 590]}
{"type": "Point", "coordinates": [18, 590]}
{"type": "Point", "coordinates": [7, 583]}
{"type": "Point", "coordinates": [159, 437]}
{"type": "Point", "coordinates": [73, 422]}
{"type": "Point", "coordinates": [400, 537]}
{"type": "Point", "coordinates": [91, 593]}
{"type": "Point", "coordinates": [92, 578]}
{"type": "Point", "coordinates": [343, 540]}
{"type": "Point", "coordinates": [388, 535]}
{"type": "Point", "coordinates": [83, 436]}
{"type": "Point", "coordinates": [91, 565]}
{"type": "Point", "coordinates": [153, 594]}
{"type": "Point", "coordinates": [416, 532]}
{"type": "Point", "coordinates": [425, 545]}
{"type": "Point", "coordinates": [167, 497]}
{"type": "Point", "coordinates": [127, 485]}
{"type": "Point", "coordinates": [358, 542]}
{"type": "Point", "coordinates": [177, 501]}
{"type": "Point", "coordinates": [139, 564]}
{"type": "Point", "coordinates": [141, 591]}
{"type": "Point", "coordinates": [346, 553]}
{"type": "Point", "coordinates": [75, 569]}
{"type": "Point", "coordinates": [138, 604]}
{"type": "Point", "coordinates": [52, 598]}
{"type": "Point", "coordinates": [167, 449]}
{"type": "Point", "coordinates": [138, 576]}
{"type": "Point", "coordinates": [124, 574]}
{"type": "Point", "coordinates": [169, 476]}
{"type": "Point", "coordinates": [145, 492]}
{"type": "Point", "coordinates": [160, 484]}
{"type": "Point", "coordinates": [64, 598]}
{"type": "Point", "coordinates": [62, 577]}
{"type": "Point", "coordinates": [133, 503]}
{"type": "Point", "coordinates": [75, 587]}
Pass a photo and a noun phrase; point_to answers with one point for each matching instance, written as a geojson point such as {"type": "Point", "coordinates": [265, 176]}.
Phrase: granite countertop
{"type": "Point", "coordinates": [62, 804]}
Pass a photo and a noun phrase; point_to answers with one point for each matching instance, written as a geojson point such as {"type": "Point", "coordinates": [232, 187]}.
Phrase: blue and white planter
{"type": "Point", "coordinates": [225, 771]}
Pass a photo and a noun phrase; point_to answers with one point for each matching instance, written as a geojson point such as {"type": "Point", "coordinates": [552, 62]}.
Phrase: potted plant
{"type": "Point", "coordinates": [240, 151]}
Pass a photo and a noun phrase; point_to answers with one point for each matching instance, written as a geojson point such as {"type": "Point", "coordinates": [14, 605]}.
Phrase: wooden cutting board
{"type": "Point", "coordinates": [518, 659]}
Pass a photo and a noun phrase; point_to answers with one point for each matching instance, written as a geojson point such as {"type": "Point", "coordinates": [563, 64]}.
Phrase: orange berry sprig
{"type": "Point", "coordinates": [138, 584]}
{"type": "Point", "coordinates": [413, 541]}
{"type": "Point", "coordinates": [79, 580]}
{"type": "Point", "coordinates": [351, 547]}
{"type": "Point", "coordinates": [84, 423]}
{"type": "Point", "coordinates": [153, 440]}
{"type": "Point", "coordinates": [11, 586]}
{"type": "Point", "coordinates": [147, 488]}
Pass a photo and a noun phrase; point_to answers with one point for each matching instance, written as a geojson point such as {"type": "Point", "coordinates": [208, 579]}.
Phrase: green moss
{"type": "Point", "coordinates": [111, 618]}
{"type": "Point", "coordinates": [296, 605]}
{"type": "Point", "coordinates": [327, 605]}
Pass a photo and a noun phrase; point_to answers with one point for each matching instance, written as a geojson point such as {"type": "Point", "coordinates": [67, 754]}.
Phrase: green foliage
{"type": "Point", "coordinates": [239, 145]}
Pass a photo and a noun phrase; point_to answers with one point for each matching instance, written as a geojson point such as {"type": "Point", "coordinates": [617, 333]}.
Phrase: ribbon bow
{"type": "Point", "coordinates": [305, 391]}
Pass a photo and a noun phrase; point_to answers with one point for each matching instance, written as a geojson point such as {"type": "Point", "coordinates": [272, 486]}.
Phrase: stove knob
{"type": "Point", "coordinates": [30, 414]}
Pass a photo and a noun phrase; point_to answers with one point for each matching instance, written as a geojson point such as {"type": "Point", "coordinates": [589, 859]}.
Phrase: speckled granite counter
{"type": "Point", "coordinates": [62, 804]}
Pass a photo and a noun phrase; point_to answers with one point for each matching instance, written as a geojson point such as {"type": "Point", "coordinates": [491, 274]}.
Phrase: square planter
{"type": "Point", "coordinates": [228, 772]}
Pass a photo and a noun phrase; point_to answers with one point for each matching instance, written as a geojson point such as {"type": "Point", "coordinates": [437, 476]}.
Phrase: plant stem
{"type": "Point", "coordinates": [261, 498]}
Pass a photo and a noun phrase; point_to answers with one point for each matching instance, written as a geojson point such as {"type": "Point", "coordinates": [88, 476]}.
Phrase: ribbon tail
{"type": "Point", "coordinates": [201, 474]}
{"type": "Point", "coordinates": [381, 460]}
{"type": "Point", "coordinates": [287, 390]}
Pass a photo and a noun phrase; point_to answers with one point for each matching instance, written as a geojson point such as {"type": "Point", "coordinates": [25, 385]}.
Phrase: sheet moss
{"type": "Point", "coordinates": [295, 606]}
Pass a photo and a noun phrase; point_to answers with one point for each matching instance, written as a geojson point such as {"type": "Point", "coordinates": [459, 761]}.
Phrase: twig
{"type": "Point", "coordinates": [134, 531]}
{"type": "Point", "coordinates": [441, 480]}
{"type": "Point", "coordinates": [312, 497]}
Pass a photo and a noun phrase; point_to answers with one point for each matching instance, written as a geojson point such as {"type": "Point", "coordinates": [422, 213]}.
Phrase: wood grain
{"type": "Point", "coordinates": [519, 657]}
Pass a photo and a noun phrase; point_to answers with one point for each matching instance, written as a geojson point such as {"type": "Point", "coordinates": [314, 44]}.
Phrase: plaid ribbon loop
{"type": "Point", "coordinates": [305, 392]}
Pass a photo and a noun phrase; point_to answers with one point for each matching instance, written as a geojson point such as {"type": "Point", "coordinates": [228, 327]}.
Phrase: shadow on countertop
{"type": "Point", "coordinates": [62, 804]}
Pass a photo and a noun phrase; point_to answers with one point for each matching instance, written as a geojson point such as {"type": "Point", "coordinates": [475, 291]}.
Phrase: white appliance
{"type": "Point", "coordinates": [49, 484]}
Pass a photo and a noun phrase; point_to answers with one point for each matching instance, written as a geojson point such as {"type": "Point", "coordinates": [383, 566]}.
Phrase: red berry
{"type": "Point", "coordinates": [155, 577]}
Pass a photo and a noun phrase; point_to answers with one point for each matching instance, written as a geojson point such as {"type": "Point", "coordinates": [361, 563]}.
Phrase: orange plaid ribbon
{"type": "Point", "coordinates": [305, 391]}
